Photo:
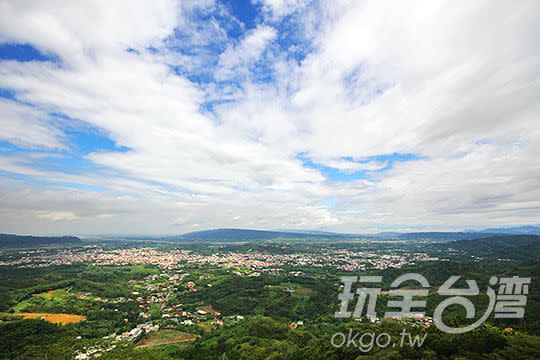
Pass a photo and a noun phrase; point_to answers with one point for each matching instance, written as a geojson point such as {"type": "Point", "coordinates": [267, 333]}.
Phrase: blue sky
{"type": "Point", "coordinates": [357, 116]}
{"type": "Point", "coordinates": [22, 52]}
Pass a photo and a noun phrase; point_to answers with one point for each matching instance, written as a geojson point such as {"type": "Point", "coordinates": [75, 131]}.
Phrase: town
{"type": "Point", "coordinates": [341, 259]}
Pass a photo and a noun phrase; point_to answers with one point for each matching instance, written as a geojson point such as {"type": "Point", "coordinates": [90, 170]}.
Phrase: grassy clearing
{"type": "Point", "coordinates": [207, 308]}
{"type": "Point", "coordinates": [165, 337]}
{"type": "Point", "coordinates": [298, 289]}
{"type": "Point", "coordinates": [205, 326]}
{"type": "Point", "coordinates": [53, 301]}
{"type": "Point", "coordinates": [54, 294]}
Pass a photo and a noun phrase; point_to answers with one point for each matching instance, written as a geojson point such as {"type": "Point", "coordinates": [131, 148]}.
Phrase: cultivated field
{"type": "Point", "coordinates": [54, 318]}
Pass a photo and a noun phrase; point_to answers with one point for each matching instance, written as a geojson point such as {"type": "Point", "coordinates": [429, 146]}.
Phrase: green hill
{"type": "Point", "coordinates": [512, 247]}
{"type": "Point", "coordinates": [25, 241]}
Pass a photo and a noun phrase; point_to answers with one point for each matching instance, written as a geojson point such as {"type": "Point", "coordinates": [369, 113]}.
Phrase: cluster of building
{"type": "Point", "coordinates": [111, 341]}
{"type": "Point", "coordinates": [137, 332]}
{"type": "Point", "coordinates": [343, 259]}
{"type": "Point", "coordinates": [155, 289]}
{"type": "Point", "coordinates": [96, 255]}
{"type": "Point", "coordinates": [414, 320]}
{"type": "Point", "coordinates": [152, 291]}
{"type": "Point", "coordinates": [154, 297]}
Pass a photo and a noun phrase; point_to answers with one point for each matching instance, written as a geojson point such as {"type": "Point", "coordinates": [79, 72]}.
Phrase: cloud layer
{"type": "Point", "coordinates": [165, 117]}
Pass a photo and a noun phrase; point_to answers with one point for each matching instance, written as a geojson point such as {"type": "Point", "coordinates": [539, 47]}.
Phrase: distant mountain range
{"type": "Point", "coordinates": [521, 230]}
{"type": "Point", "coordinates": [242, 235]}
{"type": "Point", "coordinates": [248, 235]}
{"type": "Point", "coordinates": [251, 235]}
{"type": "Point", "coordinates": [462, 235]}
{"type": "Point", "coordinates": [432, 235]}
{"type": "Point", "coordinates": [24, 241]}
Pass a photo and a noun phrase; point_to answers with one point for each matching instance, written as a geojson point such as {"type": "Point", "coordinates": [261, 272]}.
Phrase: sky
{"type": "Point", "coordinates": [164, 117]}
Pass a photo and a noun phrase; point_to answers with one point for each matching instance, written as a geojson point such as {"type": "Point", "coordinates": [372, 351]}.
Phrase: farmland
{"type": "Point", "coordinates": [54, 318]}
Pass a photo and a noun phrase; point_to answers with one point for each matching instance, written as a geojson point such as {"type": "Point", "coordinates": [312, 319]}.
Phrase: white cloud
{"type": "Point", "coordinates": [57, 215]}
{"type": "Point", "coordinates": [448, 83]}
{"type": "Point", "coordinates": [488, 185]}
{"type": "Point", "coordinates": [237, 58]}
{"type": "Point", "coordinates": [28, 127]}
{"type": "Point", "coordinates": [78, 30]}
{"type": "Point", "coordinates": [280, 8]}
